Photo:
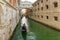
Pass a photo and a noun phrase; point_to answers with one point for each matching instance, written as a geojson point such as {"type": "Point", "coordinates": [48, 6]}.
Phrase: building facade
{"type": "Point", "coordinates": [9, 18]}
{"type": "Point", "coordinates": [47, 12]}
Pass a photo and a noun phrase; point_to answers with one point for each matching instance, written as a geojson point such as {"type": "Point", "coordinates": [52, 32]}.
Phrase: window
{"type": "Point", "coordinates": [38, 15]}
{"type": "Point", "coordinates": [41, 16]}
{"type": "Point", "coordinates": [41, 8]}
{"type": "Point", "coordinates": [55, 18]}
{"type": "Point", "coordinates": [41, 1]}
{"type": "Point", "coordinates": [46, 0]}
{"type": "Point", "coordinates": [38, 8]}
{"type": "Point", "coordinates": [46, 6]}
{"type": "Point", "coordinates": [47, 17]}
{"type": "Point", "coordinates": [38, 3]}
{"type": "Point", "coordinates": [55, 4]}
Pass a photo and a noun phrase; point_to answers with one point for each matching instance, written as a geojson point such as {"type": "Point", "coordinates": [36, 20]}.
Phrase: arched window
{"type": "Point", "coordinates": [55, 4]}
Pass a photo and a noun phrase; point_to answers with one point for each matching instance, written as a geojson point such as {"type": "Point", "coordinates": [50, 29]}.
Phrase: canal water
{"type": "Point", "coordinates": [17, 35]}
{"type": "Point", "coordinates": [43, 32]}
{"type": "Point", "coordinates": [37, 31]}
{"type": "Point", "coordinates": [30, 35]}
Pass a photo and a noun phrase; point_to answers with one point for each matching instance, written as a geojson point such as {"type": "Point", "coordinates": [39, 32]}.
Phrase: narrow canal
{"type": "Point", "coordinates": [17, 35]}
{"type": "Point", "coordinates": [40, 31]}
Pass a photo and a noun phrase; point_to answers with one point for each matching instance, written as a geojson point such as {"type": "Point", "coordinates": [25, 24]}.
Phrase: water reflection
{"type": "Point", "coordinates": [31, 36]}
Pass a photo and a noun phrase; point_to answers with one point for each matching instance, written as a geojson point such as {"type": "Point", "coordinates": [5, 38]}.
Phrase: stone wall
{"type": "Point", "coordinates": [9, 18]}
{"type": "Point", "coordinates": [47, 12]}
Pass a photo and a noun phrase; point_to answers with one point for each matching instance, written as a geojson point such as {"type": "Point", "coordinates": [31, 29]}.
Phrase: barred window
{"type": "Point", "coordinates": [55, 4]}
{"type": "Point", "coordinates": [55, 18]}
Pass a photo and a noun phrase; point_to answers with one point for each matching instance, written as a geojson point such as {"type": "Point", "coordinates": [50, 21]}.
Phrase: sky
{"type": "Point", "coordinates": [29, 0]}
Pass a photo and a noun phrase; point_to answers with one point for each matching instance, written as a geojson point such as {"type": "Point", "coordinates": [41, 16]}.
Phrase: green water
{"type": "Point", "coordinates": [17, 33]}
{"type": "Point", "coordinates": [43, 32]}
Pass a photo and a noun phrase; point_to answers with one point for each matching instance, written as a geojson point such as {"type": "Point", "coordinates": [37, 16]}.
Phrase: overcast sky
{"type": "Point", "coordinates": [29, 0]}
